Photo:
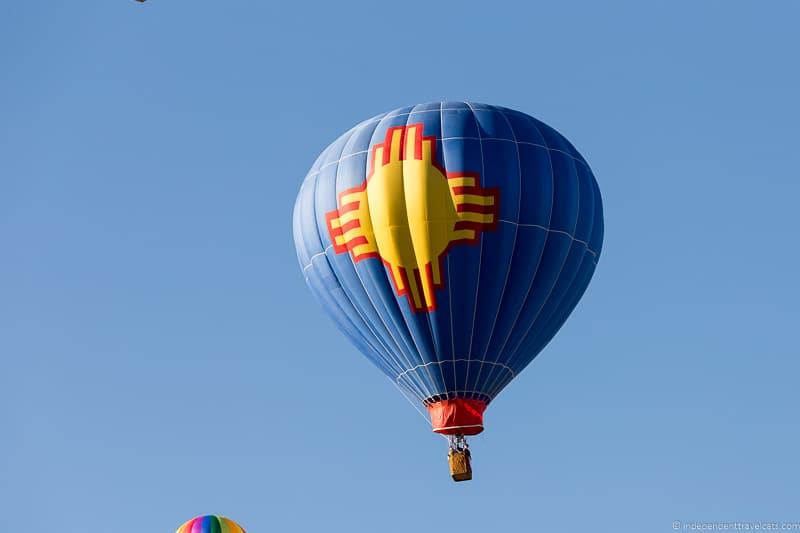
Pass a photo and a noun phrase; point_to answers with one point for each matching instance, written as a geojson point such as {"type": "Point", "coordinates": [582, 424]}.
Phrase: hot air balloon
{"type": "Point", "coordinates": [449, 242]}
{"type": "Point", "coordinates": [210, 524]}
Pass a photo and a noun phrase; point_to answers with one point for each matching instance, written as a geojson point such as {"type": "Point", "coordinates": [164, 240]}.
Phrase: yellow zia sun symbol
{"type": "Point", "coordinates": [409, 212]}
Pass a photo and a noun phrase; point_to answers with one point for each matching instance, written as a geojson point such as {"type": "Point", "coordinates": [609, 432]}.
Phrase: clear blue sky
{"type": "Point", "coordinates": [161, 357]}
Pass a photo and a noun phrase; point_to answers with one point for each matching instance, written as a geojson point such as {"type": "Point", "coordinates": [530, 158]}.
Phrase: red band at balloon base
{"type": "Point", "coordinates": [459, 416]}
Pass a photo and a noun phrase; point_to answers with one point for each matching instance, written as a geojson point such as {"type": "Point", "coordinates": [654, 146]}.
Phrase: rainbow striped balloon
{"type": "Point", "coordinates": [210, 524]}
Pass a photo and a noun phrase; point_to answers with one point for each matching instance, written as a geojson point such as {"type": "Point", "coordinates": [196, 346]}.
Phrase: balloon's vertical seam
{"type": "Point", "coordinates": [356, 336]}
{"type": "Point", "coordinates": [393, 301]}
{"type": "Point", "coordinates": [565, 280]}
{"type": "Point", "coordinates": [584, 274]}
{"type": "Point", "coordinates": [496, 110]}
{"type": "Point", "coordinates": [420, 268]}
{"type": "Point", "coordinates": [514, 354]}
{"type": "Point", "coordinates": [394, 355]}
{"type": "Point", "coordinates": [449, 279]}
{"type": "Point", "coordinates": [335, 269]}
{"type": "Point", "coordinates": [425, 387]}
{"type": "Point", "coordinates": [544, 319]}
{"type": "Point", "coordinates": [391, 356]}
{"type": "Point", "coordinates": [554, 202]}
{"type": "Point", "coordinates": [502, 349]}
{"type": "Point", "coordinates": [380, 359]}
{"type": "Point", "coordinates": [400, 351]}
{"type": "Point", "coordinates": [599, 220]}
{"type": "Point", "coordinates": [346, 290]}
{"type": "Point", "coordinates": [436, 349]}
{"type": "Point", "coordinates": [480, 257]}
{"type": "Point", "coordinates": [380, 277]}
{"type": "Point", "coordinates": [593, 247]}
{"type": "Point", "coordinates": [561, 308]}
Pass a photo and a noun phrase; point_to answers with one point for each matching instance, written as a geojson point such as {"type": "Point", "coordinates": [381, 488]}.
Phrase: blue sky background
{"type": "Point", "coordinates": [161, 357]}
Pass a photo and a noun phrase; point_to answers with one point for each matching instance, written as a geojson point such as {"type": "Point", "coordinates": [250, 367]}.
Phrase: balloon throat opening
{"type": "Point", "coordinates": [459, 458]}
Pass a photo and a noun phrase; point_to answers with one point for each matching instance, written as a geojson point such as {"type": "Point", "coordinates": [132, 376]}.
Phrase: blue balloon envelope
{"type": "Point", "coordinates": [449, 242]}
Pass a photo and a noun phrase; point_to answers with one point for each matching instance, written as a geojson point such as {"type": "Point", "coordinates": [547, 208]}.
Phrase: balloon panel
{"type": "Point", "coordinates": [210, 524]}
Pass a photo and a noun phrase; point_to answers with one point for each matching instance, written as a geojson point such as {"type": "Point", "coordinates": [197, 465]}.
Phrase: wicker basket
{"type": "Point", "coordinates": [460, 467]}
